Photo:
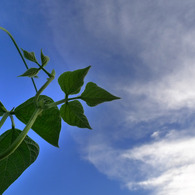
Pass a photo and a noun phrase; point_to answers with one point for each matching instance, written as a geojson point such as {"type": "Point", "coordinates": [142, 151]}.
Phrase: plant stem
{"type": "Point", "coordinates": [74, 98]}
{"type": "Point", "coordinates": [4, 118]}
{"type": "Point", "coordinates": [19, 53]}
{"type": "Point", "coordinates": [61, 102]}
{"type": "Point", "coordinates": [50, 79]}
{"type": "Point", "coordinates": [21, 136]}
{"type": "Point", "coordinates": [53, 104]}
{"type": "Point", "coordinates": [41, 67]}
{"type": "Point", "coordinates": [12, 121]}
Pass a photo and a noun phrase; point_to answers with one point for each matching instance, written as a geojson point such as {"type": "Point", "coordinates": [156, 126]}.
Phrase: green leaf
{"type": "Point", "coordinates": [2, 109]}
{"type": "Point", "coordinates": [31, 72]}
{"type": "Point", "coordinates": [72, 81]}
{"type": "Point", "coordinates": [15, 164]}
{"type": "Point", "coordinates": [29, 56]}
{"type": "Point", "coordinates": [73, 114]}
{"type": "Point", "coordinates": [47, 125]}
{"type": "Point", "coordinates": [94, 95]}
{"type": "Point", "coordinates": [44, 59]}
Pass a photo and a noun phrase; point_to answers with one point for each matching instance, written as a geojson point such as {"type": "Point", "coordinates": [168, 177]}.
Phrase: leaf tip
{"type": "Point", "coordinates": [117, 98]}
{"type": "Point", "coordinates": [89, 127]}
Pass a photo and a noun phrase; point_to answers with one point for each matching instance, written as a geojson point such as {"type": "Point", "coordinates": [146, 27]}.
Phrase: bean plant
{"type": "Point", "coordinates": [41, 114]}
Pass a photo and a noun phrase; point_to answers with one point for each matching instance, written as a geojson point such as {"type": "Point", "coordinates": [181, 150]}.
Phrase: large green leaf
{"type": "Point", "coordinates": [47, 125]}
{"type": "Point", "coordinates": [94, 95]}
{"type": "Point", "coordinates": [72, 81]}
{"type": "Point", "coordinates": [73, 114]}
{"type": "Point", "coordinates": [15, 164]}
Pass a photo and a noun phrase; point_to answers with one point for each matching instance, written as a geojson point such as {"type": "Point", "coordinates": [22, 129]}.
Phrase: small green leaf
{"type": "Point", "coordinates": [73, 114]}
{"type": "Point", "coordinates": [29, 56]}
{"type": "Point", "coordinates": [47, 125]}
{"type": "Point", "coordinates": [72, 81]}
{"type": "Point", "coordinates": [31, 72]}
{"type": "Point", "coordinates": [94, 95]}
{"type": "Point", "coordinates": [53, 73]}
{"type": "Point", "coordinates": [44, 59]}
{"type": "Point", "coordinates": [15, 164]}
{"type": "Point", "coordinates": [2, 109]}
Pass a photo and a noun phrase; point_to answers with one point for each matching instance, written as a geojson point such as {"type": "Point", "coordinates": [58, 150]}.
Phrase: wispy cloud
{"type": "Point", "coordinates": [166, 166]}
{"type": "Point", "coordinates": [154, 43]}
{"type": "Point", "coordinates": [170, 166]}
{"type": "Point", "coordinates": [164, 43]}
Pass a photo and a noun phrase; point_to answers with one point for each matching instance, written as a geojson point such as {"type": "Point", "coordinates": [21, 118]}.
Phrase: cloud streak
{"type": "Point", "coordinates": [150, 45]}
{"type": "Point", "coordinates": [166, 95]}
{"type": "Point", "coordinates": [166, 166]}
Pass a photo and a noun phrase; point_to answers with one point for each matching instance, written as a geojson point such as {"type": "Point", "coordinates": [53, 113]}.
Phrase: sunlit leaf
{"type": "Point", "coordinates": [15, 164]}
{"type": "Point", "coordinates": [73, 114]}
{"type": "Point", "coordinates": [94, 95]}
{"type": "Point", "coordinates": [47, 125]}
{"type": "Point", "coordinates": [72, 81]}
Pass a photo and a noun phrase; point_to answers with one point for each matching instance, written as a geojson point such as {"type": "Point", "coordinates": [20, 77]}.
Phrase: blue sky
{"type": "Point", "coordinates": [142, 51]}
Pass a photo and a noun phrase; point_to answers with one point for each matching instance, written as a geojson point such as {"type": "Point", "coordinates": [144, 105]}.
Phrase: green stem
{"type": "Point", "coordinates": [41, 67]}
{"type": "Point", "coordinates": [55, 103]}
{"type": "Point", "coordinates": [4, 118]}
{"type": "Point", "coordinates": [50, 79]}
{"type": "Point", "coordinates": [12, 121]}
{"type": "Point", "coordinates": [21, 136]}
{"type": "Point", "coordinates": [19, 53]}
{"type": "Point", "coordinates": [74, 98]}
{"type": "Point", "coordinates": [61, 102]}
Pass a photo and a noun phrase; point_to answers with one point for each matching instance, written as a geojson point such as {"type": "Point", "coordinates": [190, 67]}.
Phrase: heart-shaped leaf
{"type": "Point", "coordinates": [72, 81]}
{"type": "Point", "coordinates": [94, 95]}
{"type": "Point", "coordinates": [29, 56]}
{"type": "Point", "coordinates": [47, 125]}
{"type": "Point", "coordinates": [15, 164]}
{"type": "Point", "coordinates": [73, 114]}
{"type": "Point", "coordinates": [44, 59]}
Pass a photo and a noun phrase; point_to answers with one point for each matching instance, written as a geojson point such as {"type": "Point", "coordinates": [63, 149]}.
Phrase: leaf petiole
{"type": "Point", "coordinates": [42, 68]}
{"type": "Point", "coordinates": [12, 121]}
{"type": "Point", "coordinates": [21, 136]}
{"type": "Point", "coordinates": [4, 118]}
{"type": "Point", "coordinates": [61, 102]}
{"type": "Point", "coordinates": [49, 80]}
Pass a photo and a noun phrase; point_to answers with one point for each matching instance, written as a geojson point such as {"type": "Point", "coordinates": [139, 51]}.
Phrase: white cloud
{"type": "Point", "coordinates": [161, 36]}
{"type": "Point", "coordinates": [164, 40]}
{"type": "Point", "coordinates": [165, 167]}
{"type": "Point", "coordinates": [178, 181]}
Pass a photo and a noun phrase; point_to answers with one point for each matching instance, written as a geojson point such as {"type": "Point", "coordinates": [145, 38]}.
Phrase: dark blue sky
{"type": "Point", "coordinates": [142, 51]}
